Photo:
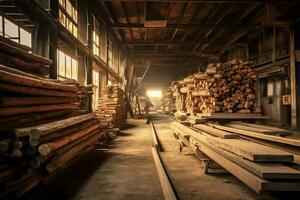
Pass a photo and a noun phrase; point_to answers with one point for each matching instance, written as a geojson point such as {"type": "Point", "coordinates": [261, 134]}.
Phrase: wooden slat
{"type": "Point", "coordinates": [215, 132]}
{"type": "Point", "coordinates": [272, 138]}
{"type": "Point", "coordinates": [253, 181]}
{"type": "Point", "coordinates": [54, 126]}
{"type": "Point", "coordinates": [268, 129]}
{"type": "Point", "coordinates": [250, 150]}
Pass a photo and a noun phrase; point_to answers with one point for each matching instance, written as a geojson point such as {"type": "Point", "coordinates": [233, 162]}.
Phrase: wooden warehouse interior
{"type": "Point", "coordinates": [149, 99]}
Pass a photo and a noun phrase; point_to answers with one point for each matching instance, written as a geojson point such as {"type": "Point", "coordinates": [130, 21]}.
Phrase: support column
{"type": "Point", "coordinates": [293, 80]}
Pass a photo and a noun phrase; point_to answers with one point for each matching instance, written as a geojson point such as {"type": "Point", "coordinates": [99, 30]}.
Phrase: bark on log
{"type": "Point", "coordinates": [47, 148]}
{"type": "Point", "coordinates": [24, 90]}
{"type": "Point", "coordinates": [9, 77]}
{"type": "Point", "coordinates": [10, 111]}
{"type": "Point", "coordinates": [26, 101]}
{"type": "Point", "coordinates": [4, 47]}
{"type": "Point", "coordinates": [51, 127]}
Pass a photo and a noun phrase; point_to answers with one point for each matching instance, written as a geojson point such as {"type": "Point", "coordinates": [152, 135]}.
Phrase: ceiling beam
{"type": "Point", "coordinates": [183, 26]}
{"type": "Point", "coordinates": [213, 1]}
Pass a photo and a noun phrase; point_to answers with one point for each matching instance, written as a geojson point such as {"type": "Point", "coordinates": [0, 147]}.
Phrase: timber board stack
{"type": "Point", "coordinates": [223, 88]}
{"type": "Point", "coordinates": [41, 131]}
{"type": "Point", "coordinates": [111, 109]}
{"type": "Point", "coordinates": [18, 57]}
{"type": "Point", "coordinates": [262, 161]}
{"type": "Point", "coordinates": [168, 101]}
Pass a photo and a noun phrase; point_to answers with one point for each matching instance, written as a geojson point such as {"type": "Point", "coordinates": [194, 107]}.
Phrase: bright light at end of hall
{"type": "Point", "coordinates": [154, 93]}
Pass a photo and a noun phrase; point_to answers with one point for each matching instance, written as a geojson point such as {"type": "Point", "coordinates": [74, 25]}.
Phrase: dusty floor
{"type": "Point", "coordinates": [125, 171]}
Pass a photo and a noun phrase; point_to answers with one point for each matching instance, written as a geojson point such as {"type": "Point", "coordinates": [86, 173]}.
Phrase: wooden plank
{"type": "Point", "coordinates": [236, 116]}
{"type": "Point", "coordinates": [25, 101]}
{"type": "Point", "coordinates": [11, 78]}
{"type": "Point", "coordinates": [216, 132]}
{"type": "Point", "coordinates": [270, 129]}
{"type": "Point", "coordinates": [27, 90]}
{"type": "Point", "coordinates": [253, 181]}
{"type": "Point", "coordinates": [290, 149]}
{"type": "Point", "coordinates": [254, 129]}
{"type": "Point", "coordinates": [54, 126]}
{"type": "Point", "coordinates": [267, 170]}
{"type": "Point", "coordinates": [12, 111]}
{"type": "Point", "coordinates": [167, 189]}
{"type": "Point", "coordinates": [272, 138]}
{"type": "Point", "coordinates": [250, 150]}
{"type": "Point", "coordinates": [263, 170]}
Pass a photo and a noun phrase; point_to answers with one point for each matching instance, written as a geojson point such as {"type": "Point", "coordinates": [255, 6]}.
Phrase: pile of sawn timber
{"type": "Point", "coordinates": [111, 108]}
{"type": "Point", "coordinates": [261, 166]}
{"type": "Point", "coordinates": [224, 87]}
{"type": "Point", "coordinates": [41, 130]}
{"type": "Point", "coordinates": [19, 58]}
{"type": "Point", "coordinates": [168, 101]}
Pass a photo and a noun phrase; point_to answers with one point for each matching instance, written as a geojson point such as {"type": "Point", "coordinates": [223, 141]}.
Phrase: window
{"type": "Point", "coordinates": [14, 32]}
{"type": "Point", "coordinates": [67, 15]}
{"type": "Point", "coordinates": [96, 37]}
{"type": "Point", "coordinates": [109, 56]}
{"type": "Point", "coordinates": [67, 66]}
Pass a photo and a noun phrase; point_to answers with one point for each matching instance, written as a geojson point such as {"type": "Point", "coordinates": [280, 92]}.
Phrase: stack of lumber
{"type": "Point", "coordinates": [179, 96]}
{"type": "Point", "coordinates": [27, 99]}
{"type": "Point", "coordinates": [168, 101]}
{"type": "Point", "coordinates": [261, 167]}
{"type": "Point", "coordinates": [40, 126]}
{"type": "Point", "coordinates": [20, 58]}
{"type": "Point", "coordinates": [141, 105]}
{"type": "Point", "coordinates": [84, 94]}
{"type": "Point", "coordinates": [34, 150]}
{"type": "Point", "coordinates": [224, 87]}
{"type": "Point", "coordinates": [111, 108]}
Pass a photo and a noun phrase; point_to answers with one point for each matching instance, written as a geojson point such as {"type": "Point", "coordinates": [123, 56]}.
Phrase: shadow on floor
{"type": "Point", "coordinates": [68, 182]}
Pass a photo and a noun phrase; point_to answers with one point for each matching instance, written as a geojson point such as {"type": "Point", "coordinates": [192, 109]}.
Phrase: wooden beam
{"type": "Point", "coordinates": [212, 1]}
{"type": "Point", "coordinates": [184, 26]}
{"type": "Point", "coordinates": [294, 114]}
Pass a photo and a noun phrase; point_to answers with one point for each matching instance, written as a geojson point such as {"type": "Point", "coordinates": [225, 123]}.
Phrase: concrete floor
{"type": "Point", "coordinates": [123, 171]}
{"type": "Point", "coordinates": [126, 171]}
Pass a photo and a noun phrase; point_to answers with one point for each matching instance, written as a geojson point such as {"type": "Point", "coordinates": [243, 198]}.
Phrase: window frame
{"type": "Point", "coordinates": [69, 18]}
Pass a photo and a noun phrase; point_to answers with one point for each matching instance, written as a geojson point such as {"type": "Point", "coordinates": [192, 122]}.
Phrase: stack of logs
{"type": "Point", "coordinates": [40, 127]}
{"type": "Point", "coordinates": [223, 87]}
{"type": "Point", "coordinates": [111, 107]}
{"type": "Point", "coordinates": [168, 101]}
{"type": "Point", "coordinates": [18, 57]}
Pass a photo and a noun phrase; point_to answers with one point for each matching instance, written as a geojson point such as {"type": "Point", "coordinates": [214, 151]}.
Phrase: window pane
{"type": "Point", "coordinates": [74, 30]}
{"type": "Point", "coordinates": [69, 7]}
{"type": "Point", "coordinates": [74, 69]}
{"type": "Point", "coordinates": [62, 3]}
{"type": "Point", "coordinates": [62, 18]}
{"type": "Point", "coordinates": [68, 67]}
{"type": "Point", "coordinates": [1, 30]}
{"type": "Point", "coordinates": [25, 37]}
{"type": "Point", "coordinates": [11, 30]}
{"type": "Point", "coordinates": [61, 64]}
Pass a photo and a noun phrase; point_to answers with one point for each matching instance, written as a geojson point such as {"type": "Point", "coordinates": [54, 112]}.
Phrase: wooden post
{"type": "Point", "coordinates": [274, 45]}
{"type": "Point", "coordinates": [53, 35]}
{"type": "Point", "coordinates": [293, 80]}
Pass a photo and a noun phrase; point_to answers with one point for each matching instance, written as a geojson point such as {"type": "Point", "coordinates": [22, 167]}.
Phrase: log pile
{"type": "Point", "coordinates": [41, 130]}
{"type": "Point", "coordinates": [31, 151]}
{"type": "Point", "coordinates": [18, 58]}
{"type": "Point", "coordinates": [259, 165]}
{"type": "Point", "coordinates": [168, 101]}
{"type": "Point", "coordinates": [223, 87]}
{"type": "Point", "coordinates": [111, 108]}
